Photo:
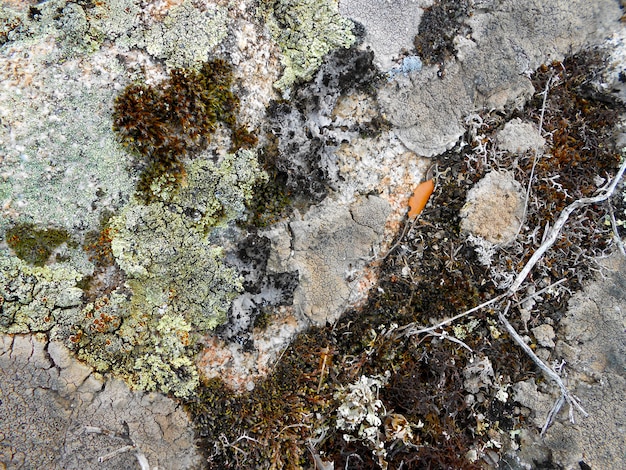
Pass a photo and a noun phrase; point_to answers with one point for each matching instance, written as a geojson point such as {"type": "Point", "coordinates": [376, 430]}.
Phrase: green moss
{"type": "Point", "coordinates": [305, 30]}
{"type": "Point", "coordinates": [35, 245]}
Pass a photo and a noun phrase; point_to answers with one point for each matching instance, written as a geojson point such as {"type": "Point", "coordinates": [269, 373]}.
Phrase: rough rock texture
{"type": "Point", "coordinates": [329, 246]}
{"type": "Point", "coordinates": [494, 208]}
{"type": "Point", "coordinates": [50, 405]}
{"type": "Point", "coordinates": [426, 110]}
{"type": "Point", "coordinates": [519, 137]}
{"type": "Point", "coordinates": [492, 68]}
{"type": "Point", "coordinates": [593, 347]}
{"type": "Point", "coordinates": [390, 26]}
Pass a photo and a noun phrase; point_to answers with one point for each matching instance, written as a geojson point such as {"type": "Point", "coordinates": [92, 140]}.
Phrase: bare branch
{"type": "Point", "coordinates": [554, 232]}
{"type": "Point", "coordinates": [565, 395]}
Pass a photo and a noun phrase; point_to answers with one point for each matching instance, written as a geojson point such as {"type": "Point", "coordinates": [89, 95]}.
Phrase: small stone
{"type": "Point", "coordinates": [519, 137]}
{"type": "Point", "coordinates": [544, 334]}
{"type": "Point", "coordinates": [494, 208]}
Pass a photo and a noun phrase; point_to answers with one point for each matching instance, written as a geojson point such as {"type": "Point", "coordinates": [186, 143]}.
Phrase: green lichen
{"type": "Point", "coordinates": [168, 264]}
{"type": "Point", "coordinates": [183, 38]}
{"type": "Point", "coordinates": [177, 284]}
{"type": "Point", "coordinates": [61, 162]}
{"type": "Point", "coordinates": [187, 34]}
{"type": "Point", "coordinates": [34, 299]}
{"type": "Point", "coordinates": [179, 374]}
{"type": "Point", "coordinates": [305, 30]}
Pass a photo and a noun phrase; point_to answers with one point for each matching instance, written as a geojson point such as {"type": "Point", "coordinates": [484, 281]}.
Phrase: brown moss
{"type": "Point", "coordinates": [166, 124]}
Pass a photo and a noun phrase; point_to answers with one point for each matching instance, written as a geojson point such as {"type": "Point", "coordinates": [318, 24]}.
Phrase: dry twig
{"type": "Point", "coordinates": [565, 395]}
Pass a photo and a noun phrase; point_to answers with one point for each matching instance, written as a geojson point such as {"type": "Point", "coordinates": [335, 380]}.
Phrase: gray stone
{"type": "Point", "coordinates": [519, 137]}
{"type": "Point", "coordinates": [329, 245]}
{"type": "Point", "coordinates": [50, 403]}
{"type": "Point", "coordinates": [390, 25]}
{"type": "Point", "coordinates": [494, 208]}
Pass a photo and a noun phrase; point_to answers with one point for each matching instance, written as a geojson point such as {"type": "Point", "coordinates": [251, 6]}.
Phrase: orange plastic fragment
{"type": "Point", "coordinates": [420, 196]}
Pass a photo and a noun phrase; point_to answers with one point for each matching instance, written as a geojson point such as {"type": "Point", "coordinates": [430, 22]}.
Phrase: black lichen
{"type": "Point", "coordinates": [439, 25]}
{"type": "Point", "coordinates": [301, 137]}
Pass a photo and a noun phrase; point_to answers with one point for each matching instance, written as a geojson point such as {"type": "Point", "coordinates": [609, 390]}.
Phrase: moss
{"type": "Point", "coordinates": [165, 124]}
{"type": "Point", "coordinates": [305, 30]}
{"type": "Point", "coordinates": [35, 245]}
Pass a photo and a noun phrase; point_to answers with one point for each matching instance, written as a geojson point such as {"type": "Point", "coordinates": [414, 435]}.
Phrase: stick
{"type": "Point", "coordinates": [565, 395]}
{"type": "Point", "coordinates": [558, 225]}
{"type": "Point", "coordinates": [409, 329]}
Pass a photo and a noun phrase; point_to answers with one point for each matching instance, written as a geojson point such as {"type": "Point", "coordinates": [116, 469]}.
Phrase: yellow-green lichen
{"type": "Point", "coordinates": [305, 30]}
{"type": "Point", "coordinates": [177, 284]}
{"type": "Point", "coordinates": [187, 34]}
{"type": "Point", "coordinates": [36, 299]}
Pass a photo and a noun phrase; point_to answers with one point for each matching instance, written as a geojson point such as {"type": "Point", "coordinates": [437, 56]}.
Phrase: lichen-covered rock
{"type": "Point", "coordinates": [306, 30]}
{"type": "Point", "coordinates": [61, 163]}
{"type": "Point", "coordinates": [177, 284]}
{"type": "Point", "coordinates": [427, 110]}
{"type": "Point", "coordinates": [35, 299]}
{"type": "Point", "coordinates": [494, 209]}
{"type": "Point", "coordinates": [387, 30]}
{"type": "Point", "coordinates": [519, 137]}
{"type": "Point", "coordinates": [329, 245]}
{"type": "Point", "coordinates": [187, 34]}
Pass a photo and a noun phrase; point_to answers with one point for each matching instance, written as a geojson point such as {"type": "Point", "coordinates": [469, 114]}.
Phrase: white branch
{"type": "Point", "coordinates": [553, 234]}
{"type": "Point", "coordinates": [565, 395]}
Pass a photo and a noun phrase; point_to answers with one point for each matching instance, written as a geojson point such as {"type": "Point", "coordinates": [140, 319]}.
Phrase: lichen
{"type": "Point", "coordinates": [33, 298]}
{"type": "Point", "coordinates": [177, 284]}
{"type": "Point", "coordinates": [61, 163]}
{"type": "Point", "coordinates": [305, 30]}
{"type": "Point", "coordinates": [187, 34]}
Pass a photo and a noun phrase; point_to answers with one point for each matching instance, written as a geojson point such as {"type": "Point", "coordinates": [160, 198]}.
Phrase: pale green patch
{"type": "Point", "coordinates": [305, 30]}
{"type": "Point", "coordinates": [187, 34]}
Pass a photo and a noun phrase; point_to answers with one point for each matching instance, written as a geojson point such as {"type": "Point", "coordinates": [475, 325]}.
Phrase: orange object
{"type": "Point", "coordinates": [420, 196]}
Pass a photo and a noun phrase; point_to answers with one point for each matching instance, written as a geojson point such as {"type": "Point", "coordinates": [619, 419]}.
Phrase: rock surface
{"type": "Point", "coordinates": [351, 144]}
{"type": "Point", "coordinates": [591, 348]}
{"type": "Point", "coordinates": [56, 413]}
